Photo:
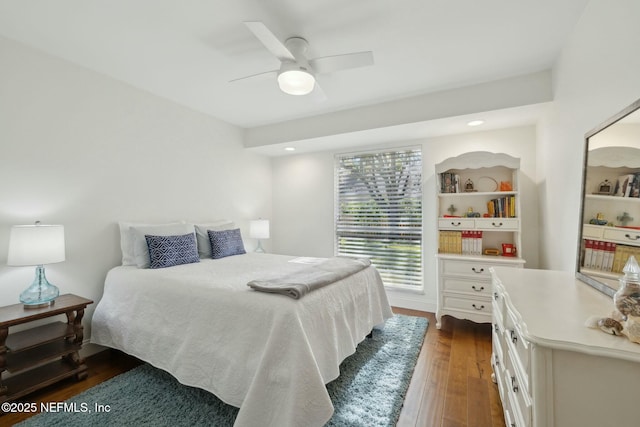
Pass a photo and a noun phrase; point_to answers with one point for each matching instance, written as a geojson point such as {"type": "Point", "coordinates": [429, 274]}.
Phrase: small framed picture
{"type": "Point", "coordinates": [605, 188]}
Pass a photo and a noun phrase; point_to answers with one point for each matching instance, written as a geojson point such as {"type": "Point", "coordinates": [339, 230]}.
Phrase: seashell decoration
{"type": "Point", "coordinates": [632, 329]}
{"type": "Point", "coordinates": [610, 326]}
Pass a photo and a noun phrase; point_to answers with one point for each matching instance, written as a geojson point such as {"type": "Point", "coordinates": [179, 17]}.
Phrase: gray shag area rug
{"type": "Point", "coordinates": [369, 392]}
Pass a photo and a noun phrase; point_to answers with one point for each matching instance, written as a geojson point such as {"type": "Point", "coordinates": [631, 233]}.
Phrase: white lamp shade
{"type": "Point", "coordinates": [36, 245]}
{"type": "Point", "coordinates": [296, 82]}
{"type": "Point", "coordinates": [259, 229]}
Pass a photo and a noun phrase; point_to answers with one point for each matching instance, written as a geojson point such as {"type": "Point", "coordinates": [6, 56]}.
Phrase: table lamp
{"type": "Point", "coordinates": [37, 245]}
{"type": "Point", "coordinates": [259, 229]}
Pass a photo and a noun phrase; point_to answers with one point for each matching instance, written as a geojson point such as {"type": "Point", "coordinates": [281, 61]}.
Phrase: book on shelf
{"type": "Point", "coordinates": [628, 185]}
{"type": "Point", "coordinates": [598, 250]}
{"type": "Point", "coordinates": [635, 186]}
{"type": "Point", "coordinates": [588, 253]}
{"type": "Point", "coordinates": [449, 182]}
{"type": "Point", "coordinates": [621, 256]}
{"type": "Point", "coordinates": [607, 256]}
{"type": "Point", "coordinates": [502, 207]}
{"type": "Point", "coordinates": [465, 242]}
{"type": "Point", "coordinates": [474, 243]}
{"type": "Point", "coordinates": [450, 242]}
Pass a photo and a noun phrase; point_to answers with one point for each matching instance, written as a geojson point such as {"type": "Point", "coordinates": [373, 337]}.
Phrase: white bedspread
{"type": "Point", "coordinates": [268, 354]}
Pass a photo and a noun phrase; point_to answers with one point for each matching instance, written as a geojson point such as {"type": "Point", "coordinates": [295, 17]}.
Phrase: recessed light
{"type": "Point", "coordinates": [475, 123]}
{"type": "Point", "coordinates": [289, 149]}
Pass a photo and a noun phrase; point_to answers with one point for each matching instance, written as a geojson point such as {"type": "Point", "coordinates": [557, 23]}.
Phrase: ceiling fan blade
{"type": "Point", "coordinates": [269, 40]}
{"type": "Point", "coordinates": [260, 76]}
{"type": "Point", "coordinates": [328, 64]}
{"type": "Point", "coordinates": [317, 95]}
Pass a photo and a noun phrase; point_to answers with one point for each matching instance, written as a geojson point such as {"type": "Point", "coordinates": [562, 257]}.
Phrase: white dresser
{"type": "Point", "coordinates": [464, 285]}
{"type": "Point", "coordinates": [551, 369]}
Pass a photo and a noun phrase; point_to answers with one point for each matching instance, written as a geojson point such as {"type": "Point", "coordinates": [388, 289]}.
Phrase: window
{"type": "Point", "coordinates": [379, 212]}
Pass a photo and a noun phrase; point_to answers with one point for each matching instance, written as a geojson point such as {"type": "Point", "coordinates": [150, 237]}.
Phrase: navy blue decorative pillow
{"type": "Point", "coordinates": [226, 243]}
{"type": "Point", "coordinates": [167, 251]}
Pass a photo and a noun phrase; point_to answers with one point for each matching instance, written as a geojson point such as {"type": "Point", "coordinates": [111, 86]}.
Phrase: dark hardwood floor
{"type": "Point", "coordinates": [451, 384]}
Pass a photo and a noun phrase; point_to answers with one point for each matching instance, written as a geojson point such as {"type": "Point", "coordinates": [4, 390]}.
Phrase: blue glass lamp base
{"type": "Point", "coordinates": [259, 249]}
{"type": "Point", "coordinates": [41, 293]}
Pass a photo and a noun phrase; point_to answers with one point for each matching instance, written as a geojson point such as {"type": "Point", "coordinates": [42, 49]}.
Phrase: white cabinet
{"type": "Point", "coordinates": [605, 248]}
{"type": "Point", "coordinates": [474, 215]}
{"type": "Point", "coordinates": [464, 286]}
{"type": "Point", "coordinates": [551, 370]}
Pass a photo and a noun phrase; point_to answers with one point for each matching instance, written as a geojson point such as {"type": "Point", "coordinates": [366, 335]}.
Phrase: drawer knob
{"type": "Point", "coordinates": [514, 385]}
{"type": "Point", "coordinates": [478, 308]}
{"type": "Point", "coordinates": [514, 337]}
{"type": "Point", "coordinates": [628, 236]}
{"type": "Point", "coordinates": [477, 271]}
{"type": "Point", "coordinates": [496, 225]}
{"type": "Point", "coordinates": [476, 289]}
{"type": "Point", "coordinates": [456, 224]}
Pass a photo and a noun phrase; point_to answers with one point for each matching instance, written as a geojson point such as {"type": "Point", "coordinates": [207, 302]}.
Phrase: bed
{"type": "Point", "coordinates": [268, 354]}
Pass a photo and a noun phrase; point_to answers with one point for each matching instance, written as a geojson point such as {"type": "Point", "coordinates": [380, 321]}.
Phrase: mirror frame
{"type": "Point", "coordinates": [590, 280]}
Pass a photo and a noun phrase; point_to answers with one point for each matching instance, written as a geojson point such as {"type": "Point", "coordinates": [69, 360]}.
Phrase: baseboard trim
{"type": "Point", "coordinates": [412, 302]}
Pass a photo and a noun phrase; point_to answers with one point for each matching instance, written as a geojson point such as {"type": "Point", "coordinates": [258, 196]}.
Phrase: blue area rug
{"type": "Point", "coordinates": [368, 393]}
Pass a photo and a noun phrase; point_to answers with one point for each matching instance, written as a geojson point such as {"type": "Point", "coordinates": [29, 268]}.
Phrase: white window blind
{"type": "Point", "coordinates": [379, 212]}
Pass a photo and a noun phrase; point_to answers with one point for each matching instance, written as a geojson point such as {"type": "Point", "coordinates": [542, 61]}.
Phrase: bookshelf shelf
{"type": "Point", "coordinates": [604, 249]}
{"type": "Point", "coordinates": [470, 223]}
{"type": "Point", "coordinates": [483, 194]}
{"type": "Point", "coordinates": [616, 199]}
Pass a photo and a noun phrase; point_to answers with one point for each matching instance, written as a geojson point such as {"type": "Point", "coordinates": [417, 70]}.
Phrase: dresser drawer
{"type": "Point", "coordinates": [474, 269]}
{"type": "Point", "coordinates": [456, 224]}
{"type": "Point", "coordinates": [498, 378]}
{"type": "Point", "coordinates": [472, 287]}
{"type": "Point", "coordinates": [521, 403]}
{"type": "Point", "coordinates": [508, 416]}
{"type": "Point", "coordinates": [512, 415]}
{"type": "Point", "coordinates": [509, 224]}
{"type": "Point", "coordinates": [518, 347]}
{"type": "Point", "coordinates": [496, 346]}
{"type": "Point", "coordinates": [627, 236]}
{"type": "Point", "coordinates": [592, 231]}
{"type": "Point", "coordinates": [469, 304]}
{"type": "Point", "coordinates": [497, 301]}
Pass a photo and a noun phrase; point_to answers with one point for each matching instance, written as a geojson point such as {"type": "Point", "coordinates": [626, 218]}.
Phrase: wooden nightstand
{"type": "Point", "coordinates": [42, 355]}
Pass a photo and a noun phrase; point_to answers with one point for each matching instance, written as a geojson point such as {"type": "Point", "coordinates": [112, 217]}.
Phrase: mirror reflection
{"type": "Point", "coordinates": [610, 229]}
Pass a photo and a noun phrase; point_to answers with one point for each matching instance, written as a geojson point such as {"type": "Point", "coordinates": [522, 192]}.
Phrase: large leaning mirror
{"type": "Point", "coordinates": [610, 225]}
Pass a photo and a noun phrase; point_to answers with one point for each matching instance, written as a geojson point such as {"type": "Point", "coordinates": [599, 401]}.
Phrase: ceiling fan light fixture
{"type": "Point", "coordinates": [296, 82]}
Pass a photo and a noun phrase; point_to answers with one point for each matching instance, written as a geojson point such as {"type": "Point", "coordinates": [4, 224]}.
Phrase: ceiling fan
{"type": "Point", "coordinates": [297, 74]}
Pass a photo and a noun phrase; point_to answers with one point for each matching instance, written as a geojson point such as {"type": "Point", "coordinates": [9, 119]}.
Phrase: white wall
{"type": "Point", "coordinates": [83, 150]}
{"type": "Point", "coordinates": [595, 77]}
{"type": "Point", "coordinates": [303, 200]}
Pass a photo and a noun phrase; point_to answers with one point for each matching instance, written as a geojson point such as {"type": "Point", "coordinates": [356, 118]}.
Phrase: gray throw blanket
{"type": "Point", "coordinates": [299, 283]}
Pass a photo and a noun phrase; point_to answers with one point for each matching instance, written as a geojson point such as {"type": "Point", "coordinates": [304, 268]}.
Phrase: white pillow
{"type": "Point", "coordinates": [140, 248]}
{"type": "Point", "coordinates": [127, 238]}
{"type": "Point", "coordinates": [204, 245]}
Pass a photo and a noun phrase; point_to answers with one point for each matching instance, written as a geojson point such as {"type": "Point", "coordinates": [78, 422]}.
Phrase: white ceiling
{"type": "Point", "coordinates": [188, 50]}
